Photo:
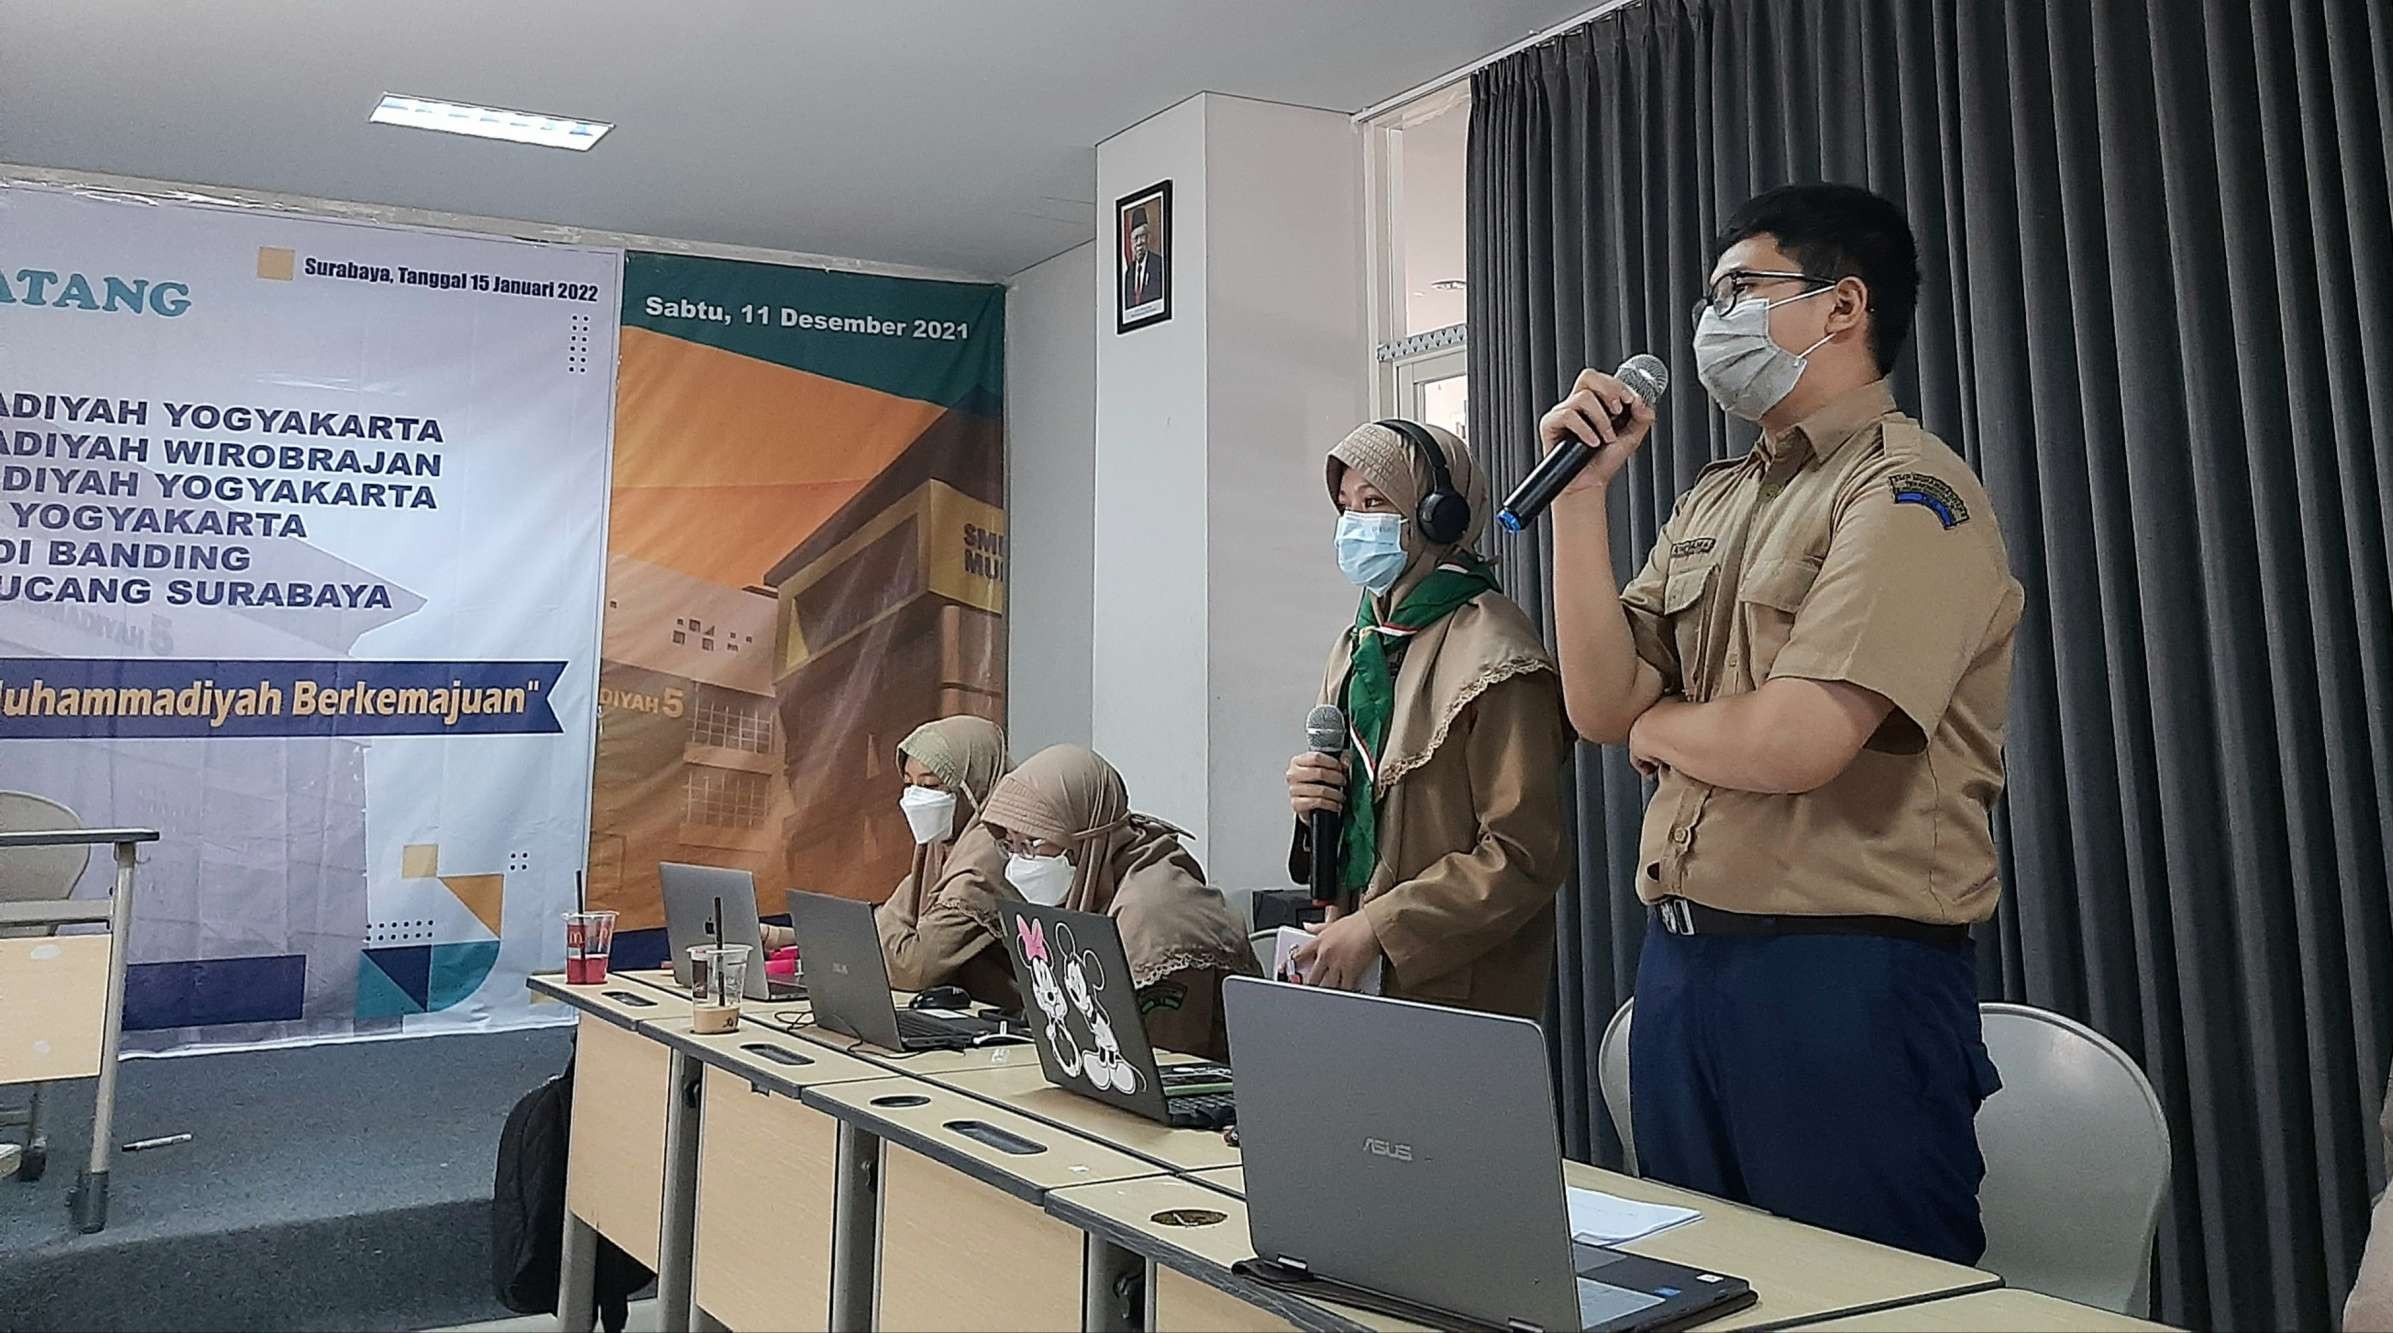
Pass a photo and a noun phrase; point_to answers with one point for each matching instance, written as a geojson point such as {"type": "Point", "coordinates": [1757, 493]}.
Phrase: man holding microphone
{"type": "Point", "coordinates": [1815, 664]}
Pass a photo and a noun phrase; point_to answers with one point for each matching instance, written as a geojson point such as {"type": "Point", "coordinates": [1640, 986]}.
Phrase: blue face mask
{"type": "Point", "coordinates": [1371, 550]}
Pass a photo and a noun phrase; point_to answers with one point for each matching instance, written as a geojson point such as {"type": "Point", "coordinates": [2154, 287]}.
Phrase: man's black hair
{"type": "Point", "coordinates": [1842, 231]}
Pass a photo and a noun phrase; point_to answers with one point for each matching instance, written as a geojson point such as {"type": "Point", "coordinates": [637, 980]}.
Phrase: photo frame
{"type": "Point", "coordinates": [1142, 257]}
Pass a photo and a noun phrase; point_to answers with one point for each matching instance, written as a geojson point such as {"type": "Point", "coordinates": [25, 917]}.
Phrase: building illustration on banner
{"type": "Point", "coordinates": [686, 691]}
{"type": "Point", "coordinates": [891, 614]}
{"type": "Point", "coordinates": [806, 561]}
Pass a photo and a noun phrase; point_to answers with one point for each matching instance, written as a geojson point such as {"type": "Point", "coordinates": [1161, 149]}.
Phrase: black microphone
{"type": "Point", "coordinates": [1645, 376]}
{"type": "Point", "coordinates": [1325, 733]}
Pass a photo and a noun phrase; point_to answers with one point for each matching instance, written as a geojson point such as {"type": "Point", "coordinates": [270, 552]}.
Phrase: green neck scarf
{"type": "Point", "coordinates": [1371, 692]}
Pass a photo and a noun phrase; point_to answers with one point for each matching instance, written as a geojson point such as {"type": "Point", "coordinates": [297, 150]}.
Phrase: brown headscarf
{"type": "Point", "coordinates": [968, 754]}
{"type": "Point", "coordinates": [1454, 661]}
{"type": "Point", "coordinates": [1129, 866]}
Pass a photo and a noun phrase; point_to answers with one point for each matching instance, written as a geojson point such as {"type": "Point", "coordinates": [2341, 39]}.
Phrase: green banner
{"type": "Point", "coordinates": [862, 328]}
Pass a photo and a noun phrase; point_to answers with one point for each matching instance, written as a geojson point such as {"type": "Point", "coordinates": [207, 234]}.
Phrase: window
{"type": "Point", "coordinates": [732, 719]}
{"type": "Point", "coordinates": [1416, 169]}
{"type": "Point", "coordinates": [726, 798]}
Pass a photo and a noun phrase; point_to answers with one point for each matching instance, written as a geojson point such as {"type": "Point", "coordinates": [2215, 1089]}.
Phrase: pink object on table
{"type": "Point", "coordinates": [782, 962]}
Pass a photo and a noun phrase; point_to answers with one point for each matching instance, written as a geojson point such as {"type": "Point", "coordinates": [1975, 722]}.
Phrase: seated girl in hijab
{"type": "Point", "coordinates": [1072, 841]}
{"type": "Point", "coordinates": [940, 927]}
{"type": "Point", "coordinates": [1453, 841]}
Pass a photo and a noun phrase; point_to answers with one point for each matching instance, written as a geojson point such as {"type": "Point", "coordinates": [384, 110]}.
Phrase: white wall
{"type": "Point", "coordinates": [1050, 411]}
{"type": "Point", "coordinates": [1216, 592]}
{"type": "Point", "coordinates": [1285, 381]}
{"type": "Point", "coordinates": [1147, 699]}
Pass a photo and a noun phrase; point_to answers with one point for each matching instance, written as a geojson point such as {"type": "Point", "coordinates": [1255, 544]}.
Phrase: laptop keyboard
{"type": "Point", "coordinates": [930, 1029]}
{"type": "Point", "coordinates": [1205, 1110]}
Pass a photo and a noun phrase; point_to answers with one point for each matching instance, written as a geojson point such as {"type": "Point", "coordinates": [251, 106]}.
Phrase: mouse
{"type": "Point", "coordinates": [943, 997]}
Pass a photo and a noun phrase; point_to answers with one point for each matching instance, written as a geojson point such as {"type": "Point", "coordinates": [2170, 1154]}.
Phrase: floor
{"type": "Point", "coordinates": [643, 1320]}
{"type": "Point", "coordinates": [351, 1180]}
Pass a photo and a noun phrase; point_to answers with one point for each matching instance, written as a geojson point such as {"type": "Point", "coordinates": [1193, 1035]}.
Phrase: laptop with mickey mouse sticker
{"type": "Point", "coordinates": [1083, 1015]}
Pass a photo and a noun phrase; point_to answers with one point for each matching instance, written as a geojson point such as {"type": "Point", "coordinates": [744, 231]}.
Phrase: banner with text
{"type": "Point", "coordinates": [301, 535]}
{"type": "Point", "coordinates": [806, 560]}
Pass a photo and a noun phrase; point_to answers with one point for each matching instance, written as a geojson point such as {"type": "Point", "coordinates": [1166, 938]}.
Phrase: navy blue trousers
{"type": "Point", "coordinates": [1833, 1079]}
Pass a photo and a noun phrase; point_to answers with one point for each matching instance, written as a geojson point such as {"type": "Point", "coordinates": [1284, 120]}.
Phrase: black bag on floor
{"type": "Point", "coordinates": [527, 1213]}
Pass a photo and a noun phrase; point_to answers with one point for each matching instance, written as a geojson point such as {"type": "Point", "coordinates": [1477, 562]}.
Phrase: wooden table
{"type": "Point", "coordinates": [772, 1194]}
{"type": "Point", "coordinates": [1189, 1234]}
{"type": "Point", "coordinates": [61, 1020]}
{"type": "Point", "coordinates": [1024, 1088]}
{"type": "Point", "coordinates": [964, 1239]}
{"type": "Point", "coordinates": [631, 1163]}
{"type": "Point", "coordinates": [2003, 1311]}
{"type": "Point", "coordinates": [1800, 1272]}
{"type": "Point", "coordinates": [836, 1184]}
{"type": "Point", "coordinates": [53, 1006]}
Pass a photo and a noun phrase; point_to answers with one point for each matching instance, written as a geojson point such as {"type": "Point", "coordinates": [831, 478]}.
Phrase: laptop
{"type": "Point", "coordinates": [1084, 1018]}
{"type": "Point", "coordinates": [1409, 1150]}
{"type": "Point", "coordinates": [695, 898]}
{"type": "Point", "coordinates": [849, 982]}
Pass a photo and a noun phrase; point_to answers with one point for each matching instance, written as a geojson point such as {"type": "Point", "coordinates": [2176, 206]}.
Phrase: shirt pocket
{"type": "Point", "coordinates": [1684, 604]}
{"type": "Point", "coordinates": [1768, 599]}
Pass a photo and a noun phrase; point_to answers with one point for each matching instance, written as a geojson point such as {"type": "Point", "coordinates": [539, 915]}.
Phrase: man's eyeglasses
{"type": "Point", "coordinates": [1732, 287]}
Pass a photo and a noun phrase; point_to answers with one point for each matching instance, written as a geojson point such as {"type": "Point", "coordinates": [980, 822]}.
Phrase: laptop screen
{"type": "Point", "coordinates": [1081, 1007]}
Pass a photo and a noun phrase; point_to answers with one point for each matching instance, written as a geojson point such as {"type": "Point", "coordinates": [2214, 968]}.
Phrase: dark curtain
{"type": "Point", "coordinates": [2158, 319]}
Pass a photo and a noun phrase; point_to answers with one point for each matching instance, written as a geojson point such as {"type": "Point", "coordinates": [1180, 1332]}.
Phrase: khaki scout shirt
{"type": "Point", "coordinates": [1856, 547]}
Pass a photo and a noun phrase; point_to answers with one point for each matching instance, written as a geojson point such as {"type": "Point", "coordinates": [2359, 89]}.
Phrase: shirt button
{"type": "Point", "coordinates": [1682, 838]}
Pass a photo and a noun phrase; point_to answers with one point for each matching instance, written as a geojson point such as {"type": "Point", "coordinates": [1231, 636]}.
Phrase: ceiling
{"type": "Point", "coordinates": [950, 134]}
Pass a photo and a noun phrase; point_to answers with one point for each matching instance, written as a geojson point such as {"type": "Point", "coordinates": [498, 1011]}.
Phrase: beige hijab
{"type": "Point", "coordinates": [1129, 866]}
{"type": "Point", "coordinates": [1459, 658]}
{"type": "Point", "coordinates": [968, 754]}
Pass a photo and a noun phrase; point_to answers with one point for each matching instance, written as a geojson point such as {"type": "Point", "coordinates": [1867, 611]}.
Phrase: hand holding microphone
{"type": "Point", "coordinates": [1589, 436]}
{"type": "Point", "coordinates": [1317, 792]}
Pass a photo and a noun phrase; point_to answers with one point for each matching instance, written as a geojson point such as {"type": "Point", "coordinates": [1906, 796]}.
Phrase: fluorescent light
{"type": "Point", "coordinates": [488, 122]}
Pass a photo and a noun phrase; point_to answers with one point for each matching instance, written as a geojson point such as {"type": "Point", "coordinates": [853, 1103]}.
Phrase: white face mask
{"type": "Point", "coordinates": [1371, 550]}
{"type": "Point", "coordinates": [930, 813]}
{"type": "Point", "coordinates": [1045, 880]}
{"type": "Point", "coordinates": [1742, 366]}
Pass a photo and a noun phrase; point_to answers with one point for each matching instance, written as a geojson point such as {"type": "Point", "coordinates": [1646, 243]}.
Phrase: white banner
{"type": "Point", "coordinates": [302, 530]}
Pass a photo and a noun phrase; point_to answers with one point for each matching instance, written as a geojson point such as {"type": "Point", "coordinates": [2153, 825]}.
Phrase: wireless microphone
{"type": "Point", "coordinates": [1325, 734]}
{"type": "Point", "coordinates": [1643, 375]}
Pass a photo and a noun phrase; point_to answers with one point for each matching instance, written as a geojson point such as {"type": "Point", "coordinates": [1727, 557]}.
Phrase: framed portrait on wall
{"type": "Point", "coordinates": [1142, 246]}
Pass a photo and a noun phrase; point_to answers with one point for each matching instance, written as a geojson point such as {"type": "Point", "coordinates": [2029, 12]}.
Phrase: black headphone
{"type": "Point", "coordinates": [1444, 515]}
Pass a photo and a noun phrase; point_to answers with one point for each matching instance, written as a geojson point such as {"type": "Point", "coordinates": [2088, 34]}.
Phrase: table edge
{"type": "Point", "coordinates": [1147, 1245]}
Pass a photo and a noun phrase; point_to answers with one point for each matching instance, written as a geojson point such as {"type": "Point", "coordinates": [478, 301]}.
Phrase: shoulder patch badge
{"type": "Point", "coordinates": [1692, 546]}
{"type": "Point", "coordinates": [1162, 995]}
{"type": "Point", "coordinates": [1931, 493]}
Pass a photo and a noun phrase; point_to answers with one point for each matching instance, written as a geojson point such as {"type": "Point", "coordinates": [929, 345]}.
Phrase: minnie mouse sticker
{"type": "Point", "coordinates": [1047, 995]}
{"type": "Point", "coordinates": [1083, 987]}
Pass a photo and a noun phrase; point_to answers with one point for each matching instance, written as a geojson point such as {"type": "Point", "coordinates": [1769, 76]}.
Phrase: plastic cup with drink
{"type": "Point", "coordinates": [589, 938]}
{"type": "Point", "coordinates": [718, 974]}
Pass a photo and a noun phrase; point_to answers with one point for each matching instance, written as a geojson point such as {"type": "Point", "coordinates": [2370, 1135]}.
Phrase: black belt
{"type": "Point", "coordinates": [1679, 916]}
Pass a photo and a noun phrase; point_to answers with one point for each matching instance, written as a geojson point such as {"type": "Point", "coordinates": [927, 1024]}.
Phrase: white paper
{"type": "Point", "coordinates": [1284, 967]}
{"type": "Point", "coordinates": [1598, 1218]}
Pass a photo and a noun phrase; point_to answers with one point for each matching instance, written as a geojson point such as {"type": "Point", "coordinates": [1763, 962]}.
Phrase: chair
{"type": "Point", "coordinates": [34, 874]}
{"type": "Point", "coordinates": [1266, 944]}
{"type": "Point", "coordinates": [2077, 1161]}
{"type": "Point", "coordinates": [1612, 1073]}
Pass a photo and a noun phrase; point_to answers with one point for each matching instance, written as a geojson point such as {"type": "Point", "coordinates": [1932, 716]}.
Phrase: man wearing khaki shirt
{"type": "Point", "coordinates": [1814, 663]}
